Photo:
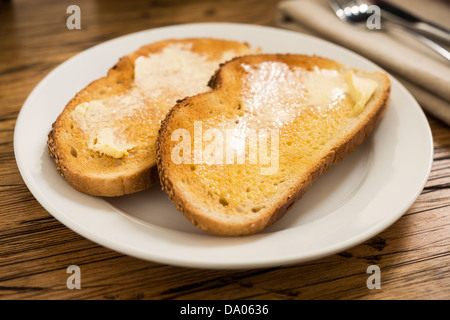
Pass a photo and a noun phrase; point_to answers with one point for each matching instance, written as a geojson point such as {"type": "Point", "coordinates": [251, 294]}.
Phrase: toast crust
{"type": "Point", "coordinates": [250, 223]}
{"type": "Point", "coordinates": [100, 175]}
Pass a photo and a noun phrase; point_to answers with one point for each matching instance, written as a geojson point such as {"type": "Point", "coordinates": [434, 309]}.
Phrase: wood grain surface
{"type": "Point", "coordinates": [35, 249]}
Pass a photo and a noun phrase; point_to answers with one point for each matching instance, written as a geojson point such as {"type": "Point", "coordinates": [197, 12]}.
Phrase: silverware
{"type": "Point", "coordinates": [357, 12]}
{"type": "Point", "coordinates": [407, 19]}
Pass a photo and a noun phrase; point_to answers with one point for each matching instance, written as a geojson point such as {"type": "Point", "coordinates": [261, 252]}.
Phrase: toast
{"type": "Point", "coordinates": [235, 159]}
{"type": "Point", "coordinates": [104, 141]}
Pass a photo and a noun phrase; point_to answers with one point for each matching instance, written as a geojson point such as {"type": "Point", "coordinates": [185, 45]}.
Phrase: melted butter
{"type": "Point", "coordinates": [361, 90]}
{"type": "Point", "coordinates": [274, 95]}
{"type": "Point", "coordinates": [271, 94]}
{"type": "Point", "coordinates": [294, 101]}
{"type": "Point", "coordinates": [105, 143]}
{"type": "Point", "coordinates": [90, 116]}
{"type": "Point", "coordinates": [160, 79]}
{"type": "Point", "coordinates": [324, 88]}
{"type": "Point", "coordinates": [175, 72]}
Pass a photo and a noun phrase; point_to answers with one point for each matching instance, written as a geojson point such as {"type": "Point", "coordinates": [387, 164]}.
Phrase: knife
{"type": "Point", "coordinates": [407, 19]}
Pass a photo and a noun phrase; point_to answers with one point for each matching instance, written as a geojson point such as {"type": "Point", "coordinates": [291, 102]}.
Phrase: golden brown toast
{"type": "Point", "coordinates": [235, 159]}
{"type": "Point", "coordinates": [103, 142]}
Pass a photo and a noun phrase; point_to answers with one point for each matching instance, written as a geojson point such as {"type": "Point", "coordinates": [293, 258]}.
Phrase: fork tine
{"type": "Point", "coordinates": [350, 7]}
{"type": "Point", "coordinates": [354, 11]}
{"type": "Point", "coordinates": [337, 8]}
{"type": "Point", "coordinates": [353, 4]}
{"type": "Point", "coordinates": [341, 8]}
{"type": "Point", "coordinates": [363, 5]}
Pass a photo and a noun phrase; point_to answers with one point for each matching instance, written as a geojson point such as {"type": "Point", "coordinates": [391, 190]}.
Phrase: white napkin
{"type": "Point", "coordinates": [423, 72]}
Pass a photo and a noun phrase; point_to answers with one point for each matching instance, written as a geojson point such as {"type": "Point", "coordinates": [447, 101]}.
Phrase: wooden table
{"type": "Point", "coordinates": [36, 249]}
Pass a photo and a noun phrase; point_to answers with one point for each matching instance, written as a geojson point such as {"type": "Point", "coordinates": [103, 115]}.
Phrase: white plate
{"type": "Point", "coordinates": [353, 202]}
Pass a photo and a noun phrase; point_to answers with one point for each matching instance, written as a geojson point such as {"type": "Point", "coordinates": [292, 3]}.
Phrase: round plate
{"type": "Point", "coordinates": [353, 202]}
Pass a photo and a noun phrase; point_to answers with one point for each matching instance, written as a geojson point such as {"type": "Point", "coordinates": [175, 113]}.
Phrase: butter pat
{"type": "Point", "coordinates": [175, 72]}
{"type": "Point", "coordinates": [361, 90]}
{"type": "Point", "coordinates": [89, 114]}
{"type": "Point", "coordinates": [275, 94]}
{"type": "Point", "coordinates": [104, 143]}
{"type": "Point", "coordinates": [89, 108]}
{"type": "Point", "coordinates": [325, 88]}
{"type": "Point", "coordinates": [80, 110]}
{"type": "Point", "coordinates": [91, 117]}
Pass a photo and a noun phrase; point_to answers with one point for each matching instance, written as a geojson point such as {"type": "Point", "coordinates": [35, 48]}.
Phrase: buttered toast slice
{"type": "Point", "coordinates": [235, 159]}
{"type": "Point", "coordinates": [103, 143]}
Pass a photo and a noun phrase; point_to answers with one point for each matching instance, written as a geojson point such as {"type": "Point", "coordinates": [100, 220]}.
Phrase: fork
{"type": "Point", "coordinates": [357, 12]}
